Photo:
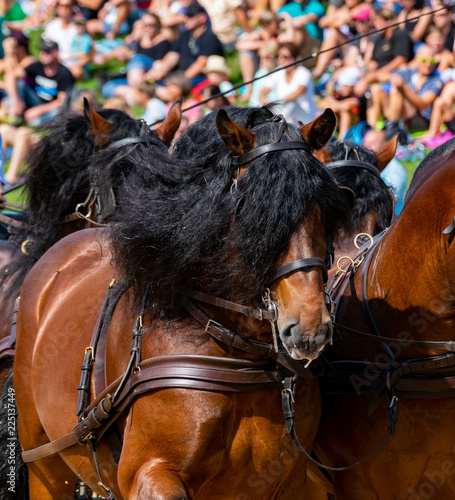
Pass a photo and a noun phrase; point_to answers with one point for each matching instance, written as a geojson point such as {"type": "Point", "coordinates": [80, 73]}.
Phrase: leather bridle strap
{"type": "Point", "coordinates": [298, 265]}
{"type": "Point", "coordinates": [251, 312]}
{"type": "Point", "coordinates": [233, 340]}
{"type": "Point", "coordinates": [353, 163]}
{"type": "Point", "coordinates": [128, 141]}
{"type": "Point", "coordinates": [237, 161]}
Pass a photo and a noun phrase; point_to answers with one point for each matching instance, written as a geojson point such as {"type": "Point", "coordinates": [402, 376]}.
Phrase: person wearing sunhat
{"type": "Point", "coordinates": [49, 81]}
{"type": "Point", "coordinates": [217, 73]}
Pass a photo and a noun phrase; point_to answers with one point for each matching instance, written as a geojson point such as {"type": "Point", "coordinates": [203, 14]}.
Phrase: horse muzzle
{"type": "Point", "coordinates": [303, 344]}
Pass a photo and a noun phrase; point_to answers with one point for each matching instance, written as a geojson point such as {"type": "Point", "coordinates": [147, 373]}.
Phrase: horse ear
{"type": "Point", "coordinates": [238, 139]}
{"type": "Point", "coordinates": [318, 132]}
{"type": "Point", "coordinates": [387, 152]}
{"type": "Point", "coordinates": [98, 127]}
{"type": "Point", "coordinates": [166, 131]}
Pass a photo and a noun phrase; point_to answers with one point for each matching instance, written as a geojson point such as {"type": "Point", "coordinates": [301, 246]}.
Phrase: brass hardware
{"type": "Point", "coordinates": [112, 283]}
{"type": "Point", "coordinates": [363, 234]}
{"type": "Point", "coordinates": [24, 246]}
{"type": "Point", "coordinates": [290, 392]}
{"type": "Point", "coordinates": [139, 318]}
{"type": "Point", "coordinates": [340, 269]}
{"type": "Point", "coordinates": [92, 350]}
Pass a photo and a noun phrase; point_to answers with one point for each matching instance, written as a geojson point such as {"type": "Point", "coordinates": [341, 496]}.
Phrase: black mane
{"type": "Point", "coordinates": [194, 227]}
{"type": "Point", "coordinates": [58, 178]}
{"type": "Point", "coordinates": [370, 190]}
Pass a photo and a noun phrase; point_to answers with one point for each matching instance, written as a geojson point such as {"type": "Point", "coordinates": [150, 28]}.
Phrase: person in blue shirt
{"type": "Point", "coordinates": [394, 175]}
{"type": "Point", "coordinates": [306, 13]}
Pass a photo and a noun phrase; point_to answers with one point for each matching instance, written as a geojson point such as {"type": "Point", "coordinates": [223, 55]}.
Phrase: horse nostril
{"type": "Point", "coordinates": [286, 331]}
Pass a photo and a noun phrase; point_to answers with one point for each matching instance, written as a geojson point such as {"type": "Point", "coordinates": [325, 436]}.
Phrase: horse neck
{"type": "Point", "coordinates": [409, 278]}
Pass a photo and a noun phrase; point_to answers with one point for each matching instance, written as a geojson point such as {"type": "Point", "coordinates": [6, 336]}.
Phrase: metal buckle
{"type": "Point", "coordinates": [207, 326]}
{"type": "Point", "coordinates": [284, 391]}
{"type": "Point", "coordinates": [92, 350]}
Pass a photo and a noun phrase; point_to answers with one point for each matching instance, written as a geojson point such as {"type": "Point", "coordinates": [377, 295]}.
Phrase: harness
{"type": "Point", "coordinates": [206, 373]}
{"type": "Point", "coordinates": [352, 163]}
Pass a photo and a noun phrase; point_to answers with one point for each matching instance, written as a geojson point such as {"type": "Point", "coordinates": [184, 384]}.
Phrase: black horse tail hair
{"type": "Point", "coordinates": [13, 471]}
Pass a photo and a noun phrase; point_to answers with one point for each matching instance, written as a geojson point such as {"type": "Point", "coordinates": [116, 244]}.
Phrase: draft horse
{"type": "Point", "coordinates": [60, 184]}
{"type": "Point", "coordinates": [392, 363]}
{"type": "Point", "coordinates": [236, 211]}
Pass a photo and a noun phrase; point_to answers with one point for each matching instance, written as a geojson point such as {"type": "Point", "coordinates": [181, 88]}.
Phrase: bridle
{"type": "Point", "coordinates": [347, 162]}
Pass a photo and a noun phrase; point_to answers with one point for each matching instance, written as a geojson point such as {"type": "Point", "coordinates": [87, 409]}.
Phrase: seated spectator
{"type": "Point", "coordinates": [10, 12]}
{"type": "Point", "coordinates": [17, 54]}
{"type": "Point", "coordinates": [296, 32]}
{"type": "Point", "coordinates": [443, 19]}
{"type": "Point", "coordinates": [217, 74]}
{"type": "Point", "coordinates": [49, 81]}
{"type": "Point", "coordinates": [305, 14]}
{"type": "Point", "coordinates": [412, 93]}
{"type": "Point", "coordinates": [256, 7]}
{"type": "Point", "coordinates": [215, 103]}
{"type": "Point", "coordinates": [415, 27]}
{"type": "Point", "coordinates": [144, 96]}
{"type": "Point", "coordinates": [293, 87]}
{"type": "Point", "coordinates": [442, 112]}
{"type": "Point", "coordinates": [20, 139]}
{"type": "Point", "coordinates": [191, 50]}
{"type": "Point", "coordinates": [268, 31]}
{"type": "Point", "coordinates": [387, 50]}
{"type": "Point", "coordinates": [267, 63]}
{"type": "Point", "coordinates": [148, 46]}
{"type": "Point", "coordinates": [112, 19]}
{"type": "Point", "coordinates": [435, 39]}
{"type": "Point", "coordinates": [62, 30]}
{"type": "Point", "coordinates": [224, 16]}
{"type": "Point", "coordinates": [179, 86]}
{"type": "Point", "coordinates": [394, 175]}
{"type": "Point", "coordinates": [339, 25]}
{"type": "Point", "coordinates": [81, 49]}
{"type": "Point", "coordinates": [118, 103]}
{"type": "Point", "coordinates": [344, 103]}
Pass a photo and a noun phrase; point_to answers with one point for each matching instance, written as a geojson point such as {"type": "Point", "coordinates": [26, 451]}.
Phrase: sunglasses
{"type": "Point", "coordinates": [430, 60]}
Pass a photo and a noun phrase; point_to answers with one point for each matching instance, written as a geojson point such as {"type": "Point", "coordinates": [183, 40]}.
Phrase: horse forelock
{"type": "Point", "coordinates": [189, 229]}
{"type": "Point", "coordinates": [371, 191]}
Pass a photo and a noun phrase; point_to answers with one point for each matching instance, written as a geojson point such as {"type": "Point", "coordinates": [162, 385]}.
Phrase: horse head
{"type": "Point", "coordinates": [359, 169]}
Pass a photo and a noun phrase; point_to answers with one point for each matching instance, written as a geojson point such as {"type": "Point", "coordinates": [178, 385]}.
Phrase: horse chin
{"type": "Point", "coordinates": [308, 352]}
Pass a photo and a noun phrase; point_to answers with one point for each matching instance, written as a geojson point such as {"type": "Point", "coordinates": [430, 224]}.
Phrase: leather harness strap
{"type": "Point", "coordinates": [297, 265]}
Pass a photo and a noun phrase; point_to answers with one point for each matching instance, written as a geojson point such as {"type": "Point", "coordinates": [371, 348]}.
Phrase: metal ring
{"type": "Point", "coordinates": [340, 269]}
{"type": "Point", "coordinates": [363, 234]}
{"type": "Point", "coordinates": [24, 246]}
{"type": "Point", "coordinates": [82, 216]}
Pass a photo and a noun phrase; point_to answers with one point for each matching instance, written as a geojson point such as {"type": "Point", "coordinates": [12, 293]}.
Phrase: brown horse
{"type": "Point", "coordinates": [58, 179]}
{"type": "Point", "coordinates": [404, 291]}
{"type": "Point", "coordinates": [222, 227]}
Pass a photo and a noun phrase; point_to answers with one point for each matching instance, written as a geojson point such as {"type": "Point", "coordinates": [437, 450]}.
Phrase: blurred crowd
{"type": "Point", "coordinates": [399, 79]}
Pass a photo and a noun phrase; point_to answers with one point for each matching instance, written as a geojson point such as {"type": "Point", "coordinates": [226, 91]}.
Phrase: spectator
{"type": "Point", "coordinates": [344, 103]}
{"type": "Point", "coordinates": [144, 96]}
{"type": "Point", "coordinates": [443, 19]}
{"type": "Point", "coordinates": [394, 175]}
{"type": "Point", "coordinates": [387, 51]}
{"type": "Point", "coordinates": [415, 27]}
{"type": "Point", "coordinates": [217, 74]}
{"type": "Point", "coordinates": [224, 16]}
{"type": "Point", "coordinates": [50, 81]}
{"type": "Point", "coordinates": [267, 63]}
{"type": "Point", "coordinates": [339, 26]}
{"type": "Point", "coordinates": [435, 40]}
{"type": "Point", "coordinates": [150, 46]}
{"type": "Point", "coordinates": [179, 86]}
{"type": "Point", "coordinates": [305, 14]}
{"type": "Point", "coordinates": [293, 86]}
{"type": "Point", "coordinates": [192, 48]}
{"type": "Point", "coordinates": [81, 49]}
{"type": "Point", "coordinates": [118, 103]}
{"type": "Point", "coordinates": [112, 19]}
{"type": "Point", "coordinates": [442, 112]}
{"type": "Point", "coordinates": [268, 31]}
{"type": "Point", "coordinates": [412, 93]}
{"type": "Point", "coordinates": [17, 55]}
{"type": "Point", "coordinates": [62, 30]}
{"type": "Point", "coordinates": [215, 103]}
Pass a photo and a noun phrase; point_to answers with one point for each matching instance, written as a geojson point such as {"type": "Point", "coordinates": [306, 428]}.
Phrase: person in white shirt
{"type": "Point", "coordinates": [62, 30]}
{"type": "Point", "coordinates": [293, 87]}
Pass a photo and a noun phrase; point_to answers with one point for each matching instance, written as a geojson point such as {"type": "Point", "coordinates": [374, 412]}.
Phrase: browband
{"type": "Point", "coordinates": [134, 140]}
{"type": "Point", "coordinates": [353, 163]}
{"type": "Point", "coordinates": [269, 148]}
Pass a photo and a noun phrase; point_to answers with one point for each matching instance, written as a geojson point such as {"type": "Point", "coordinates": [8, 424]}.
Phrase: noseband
{"type": "Point", "coordinates": [352, 163]}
